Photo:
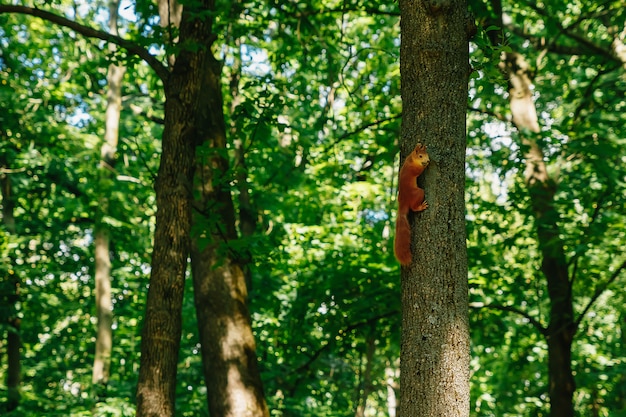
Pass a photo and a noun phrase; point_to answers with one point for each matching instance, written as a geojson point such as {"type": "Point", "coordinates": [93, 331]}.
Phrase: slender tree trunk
{"type": "Point", "coordinates": [170, 14]}
{"type": "Point", "coordinates": [104, 307]}
{"type": "Point", "coordinates": [14, 363]}
{"type": "Point", "coordinates": [367, 377]}
{"type": "Point", "coordinates": [542, 189]}
{"type": "Point", "coordinates": [434, 358]}
{"type": "Point", "coordinates": [247, 212]}
{"type": "Point", "coordinates": [392, 386]}
{"type": "Point", "coordinates": [104, 336]}
{"type": "Point", "coordinates": [14, 343]}
{"type": "Point", "coordinates": [620, 391]}
{"type": "Point", "coordinates": [162, 324]}
{"type": "Point", "coordinates": [229, 359]}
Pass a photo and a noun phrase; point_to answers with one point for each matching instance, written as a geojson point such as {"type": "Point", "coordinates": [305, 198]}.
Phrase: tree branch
{"type": "Point", "coordinates": [588, 93]}
{"type": "Point", "coordinates": [341, 332]}
{"type": "Point", "coordinates": [370, 11]}
{"type": "Point", "coordinates": [360, 129]}
{"type": "Point", "coordinates": [586, 46]}
{"type": "Point", "coordinates": [497, 115]}
{"type": "Point", "coordinates": [599, 205]}
{"type": "Point", "coordinates": [536, 324]}
{"type": "Point", "coordinates": [88, 32]}
{"type": "Point", "coordinates": [599, 290]}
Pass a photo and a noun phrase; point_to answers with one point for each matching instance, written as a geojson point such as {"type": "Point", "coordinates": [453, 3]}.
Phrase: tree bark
{"type": "Point", "coordinates": [216, 276]}
{"type": "Point", "coordinates": [434, 358]}
{"type": "Point", "coordinates": [162, 324]}
{"type": "Point", "coordinates": [231, 373]}
{"type": "Point", "coordinates": [104, 306]}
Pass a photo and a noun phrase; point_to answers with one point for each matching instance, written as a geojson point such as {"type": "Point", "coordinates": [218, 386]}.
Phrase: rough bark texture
{"type": "Point", "coordinates": [190, 115]}
{"type": "Point", "coordinates": [162, 323]}
{"type": "Point", "coordinates": [229, 359]}
{"type": "Point", "coordinates": [434, 378]}
{"type": "Point", "coordinates": [104, 307]}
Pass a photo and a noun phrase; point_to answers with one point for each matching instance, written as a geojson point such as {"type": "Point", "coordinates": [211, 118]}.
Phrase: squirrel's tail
{"type": "Point", "coordinates": [402, 242]}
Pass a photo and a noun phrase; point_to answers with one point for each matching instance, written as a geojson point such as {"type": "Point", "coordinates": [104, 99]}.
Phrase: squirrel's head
{"type": "Point", "coordinates": [420, 156]}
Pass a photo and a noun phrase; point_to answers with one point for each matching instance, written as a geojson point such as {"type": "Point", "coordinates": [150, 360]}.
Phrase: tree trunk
{"type": "Point", "coordinates": [104, 307]}
{"type": "Point", "coordinates": [366, 382]}
{"type": "Point", "coordinates": [391, 376]}
{"type": "Point", "coordinates": [14, 343]}
{"type": "Point", "coordinates": [14, 368]}
{"type": "Point", "coordinates": [170, 14]}
{"type": "Point", "coordinates": [247, 213]}
{"type": "Point", "coordinates": [542, 189]}
{"type": "Point", "coordinates": [104, 336]}
{"type": "Point", "coordinates": [434, 358]}
{"type": "Point", "coordinates": [162, 324]}
{"type": "Point", "coordinates": [229, 358]}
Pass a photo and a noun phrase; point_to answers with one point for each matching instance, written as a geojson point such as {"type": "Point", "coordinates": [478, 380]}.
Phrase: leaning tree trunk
{"type": "Point", "coordinates": [434, 358]}
{"type": "Point", "coordinates": [162, 324]}
{"type": "Point", "coordinates": [542, 189]}
{"type": "Point", "coordinates": [229, 360]}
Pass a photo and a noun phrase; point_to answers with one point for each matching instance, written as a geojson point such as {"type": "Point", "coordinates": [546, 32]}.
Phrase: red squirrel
{"type": "Point", "coordinates": [410, 196]}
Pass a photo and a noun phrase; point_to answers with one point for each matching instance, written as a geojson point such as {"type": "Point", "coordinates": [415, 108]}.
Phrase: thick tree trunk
{"type": "Point", "coordinates": [231, 373]}
{"type": "Point", "coordinates": [104, 306]}
{"type": "Point", "coordinates": [229, 359]}
{"type": "Point", "coordinates": [542, 189]}
{"type": "Point", "coordinates": [162, 324]}
{"type": "Point", "coordinates": [434, 359]}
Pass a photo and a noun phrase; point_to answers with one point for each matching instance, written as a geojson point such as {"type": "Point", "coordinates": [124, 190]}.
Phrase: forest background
{"type": "Point", "coordinates": [313, 113]}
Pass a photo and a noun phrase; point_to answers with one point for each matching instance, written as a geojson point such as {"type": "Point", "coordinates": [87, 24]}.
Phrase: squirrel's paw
{"type": "Point", "coordinates": [422, 206]}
